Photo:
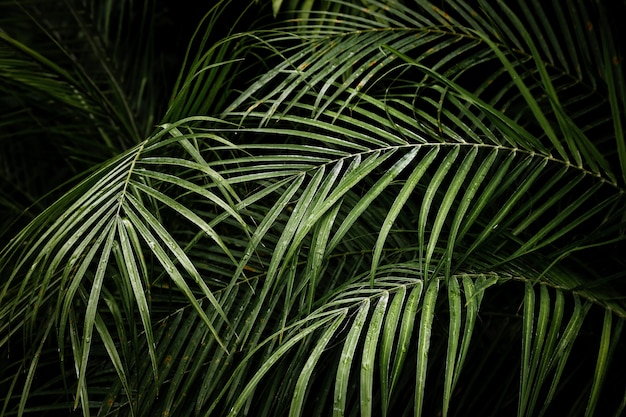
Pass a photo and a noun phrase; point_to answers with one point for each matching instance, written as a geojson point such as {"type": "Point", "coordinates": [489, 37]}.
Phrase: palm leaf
{"type": "Point", "coordinates": [389, 219]}
{"type": "Point", "coordinates": [122, 226]}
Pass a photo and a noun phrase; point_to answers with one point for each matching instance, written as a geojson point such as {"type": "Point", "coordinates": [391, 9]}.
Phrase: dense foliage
{"type": "Point", "coordinates": [310, 209]}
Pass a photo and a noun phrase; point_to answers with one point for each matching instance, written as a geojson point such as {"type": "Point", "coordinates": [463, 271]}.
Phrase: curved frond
{"type": "Point", "coordinates": [385, 208]}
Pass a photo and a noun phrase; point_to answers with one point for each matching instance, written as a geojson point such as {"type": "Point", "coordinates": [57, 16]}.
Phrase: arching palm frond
{"type": "Point", "coordinates": [411, 210]}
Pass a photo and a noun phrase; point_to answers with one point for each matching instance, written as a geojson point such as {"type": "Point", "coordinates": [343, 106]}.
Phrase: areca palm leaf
{"type": "Point", "coordinates": [529, 130]}
{"type": "Point", "coordinates": [388, 221]}
{"type": "Point", "coordinates": [455, 47]}
{"type": "Point", "coordinates": [97, 244]}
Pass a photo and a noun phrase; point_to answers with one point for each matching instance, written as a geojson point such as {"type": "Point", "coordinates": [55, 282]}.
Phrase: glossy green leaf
{"type": "Point", "coordinates": [423, 343]}
{"type": "Point", "coordinates": [347, 359]}
{"type": "Point", "coordinates": [370, 348]}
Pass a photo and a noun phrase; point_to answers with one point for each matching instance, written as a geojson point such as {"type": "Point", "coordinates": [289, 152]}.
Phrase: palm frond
{"type": "Point", "coordinates": [405, 212]}
{"type": "Point", "coordinates": [107, 218]}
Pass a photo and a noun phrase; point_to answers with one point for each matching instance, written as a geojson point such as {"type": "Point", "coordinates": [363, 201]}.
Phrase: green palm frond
{"type": "Point", "coordinates": [404, 209]}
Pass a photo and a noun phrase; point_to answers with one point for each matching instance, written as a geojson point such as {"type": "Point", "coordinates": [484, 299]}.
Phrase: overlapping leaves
{"type": "Point", "coordinates": [352, 233]}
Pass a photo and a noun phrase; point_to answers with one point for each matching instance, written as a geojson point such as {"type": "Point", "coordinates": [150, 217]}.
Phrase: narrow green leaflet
{"type": "Point", "coordinates": [423, 343]}
{"type": "Point", "coordinates": [30, 375]}
{"type": "Point", "coordinates": [137, 284]}
{"type": "Point", "coordinates": [92, 306]}
{"type": "Point", "coordinates": [303, 380]}
{"type": "Point", "coordinates": [461, 210]}
{"type": "Point", "coordinates": [454, 332]}
{"type": "Point", "coordinates": [114, 355]}
{"type": "Point", "coordinates": [370, 346]}
{"type": "Point", "coordinates": [603, 360]}
{"type": "Point", "coordinates": [564, 347]}
{"type": "Point", "coordinates": [433, 186]}
{"type": "Point", "coordinates": [447, 203]}
{"type": "Point", "coordinates": [392, 319]}
{"type": "Point", "coordinates": [406, 332]}
{"type": "Point", "coordinates": [347, 358]}
{"type": "Point", "coordinates": [548, 353]}
{"type": "Point", "coordinates": [474, 288]}
{"type": "Point", "coordinates": [534, 338]}
{"type": "Point", "coordinates": [405, 193]}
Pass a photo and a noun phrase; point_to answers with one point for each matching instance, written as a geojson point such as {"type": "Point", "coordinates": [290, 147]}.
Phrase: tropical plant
{"type": "Point", "coordinates": [347, 208]}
